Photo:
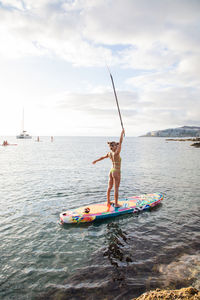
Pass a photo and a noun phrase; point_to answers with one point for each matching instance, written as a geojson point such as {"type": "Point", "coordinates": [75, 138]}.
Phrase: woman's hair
{"type": "Point", "coordinates": [112, 144]}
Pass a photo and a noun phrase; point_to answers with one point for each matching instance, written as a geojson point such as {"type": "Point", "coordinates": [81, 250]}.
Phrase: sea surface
{"type": "Point", "coordinates": [118, 258]}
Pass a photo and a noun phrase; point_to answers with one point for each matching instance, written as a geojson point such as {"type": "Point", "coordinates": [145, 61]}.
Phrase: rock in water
{"type": "Point", "coordinates": [197, 145]}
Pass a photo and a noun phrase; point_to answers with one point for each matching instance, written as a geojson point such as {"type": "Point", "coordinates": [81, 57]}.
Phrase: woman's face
{"type": "Point", "coordinates": [113, 146]}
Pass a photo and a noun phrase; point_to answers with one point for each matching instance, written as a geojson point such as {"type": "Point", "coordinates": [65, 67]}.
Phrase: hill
{"type": "Point", "coordinates": [185, 131]}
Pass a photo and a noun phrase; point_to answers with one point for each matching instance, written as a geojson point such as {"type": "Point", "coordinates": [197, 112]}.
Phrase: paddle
{"type": "Point", "coordinates": [116, 98]}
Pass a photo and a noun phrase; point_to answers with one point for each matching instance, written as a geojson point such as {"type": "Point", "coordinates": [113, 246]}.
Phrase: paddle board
{"type": "Point", "coordinates": [101, 211]}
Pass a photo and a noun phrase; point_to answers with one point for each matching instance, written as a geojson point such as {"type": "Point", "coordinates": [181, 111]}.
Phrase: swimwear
{"type": "Point", "coordinates": [112, 170]}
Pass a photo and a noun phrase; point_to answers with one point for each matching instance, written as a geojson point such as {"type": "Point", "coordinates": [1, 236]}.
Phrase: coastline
{"type": "Point", "coordinates": [183, 293]}
{"type": "Point", "coordinates": [184, 140]}
{"type": "Point", "coordinates": [196, 140]}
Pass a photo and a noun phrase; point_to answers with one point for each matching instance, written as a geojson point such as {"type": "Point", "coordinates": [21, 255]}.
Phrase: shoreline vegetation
{"type": "Point", "coordinates": [189, 293]}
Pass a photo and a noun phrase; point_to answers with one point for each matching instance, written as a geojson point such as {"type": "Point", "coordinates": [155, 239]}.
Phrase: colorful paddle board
{"type": "Point", "coordinates": [101, 211]}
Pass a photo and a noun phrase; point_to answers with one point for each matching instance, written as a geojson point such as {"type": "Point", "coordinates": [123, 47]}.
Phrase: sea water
{"type": "Point", "coordinates": [115, 259]}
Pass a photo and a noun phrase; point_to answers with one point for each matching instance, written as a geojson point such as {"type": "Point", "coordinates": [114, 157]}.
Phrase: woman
{"type": "Point", "coordinates": [115, 172]}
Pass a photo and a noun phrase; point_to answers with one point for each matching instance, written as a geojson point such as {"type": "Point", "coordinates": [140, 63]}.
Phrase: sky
{"type": "Point", "coordinates": [53, 58]}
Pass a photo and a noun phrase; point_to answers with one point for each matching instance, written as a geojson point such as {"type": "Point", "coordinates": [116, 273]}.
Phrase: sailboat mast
{"type": "Point", "coordinates": [23, 120]}
{"type": "Point", "coordinates": [23, 134]}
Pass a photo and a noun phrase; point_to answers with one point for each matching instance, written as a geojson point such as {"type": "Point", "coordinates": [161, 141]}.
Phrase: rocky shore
{"type": "Point", "coordinates": [185, 140]}
{"type": "Point", "coordinates": [189, 293]}
{"type": "Point", "coordinates": [196, 145]}
{"type": "Point", "coordinates": [196, 140]}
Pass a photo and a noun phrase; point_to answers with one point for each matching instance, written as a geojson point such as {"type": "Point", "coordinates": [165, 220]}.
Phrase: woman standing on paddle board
{"type": "Point", "coordinates": [115, 172]}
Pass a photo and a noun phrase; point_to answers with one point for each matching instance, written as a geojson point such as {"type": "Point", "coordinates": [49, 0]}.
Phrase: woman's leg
{"type": "Point", "coordinates": [116, 188]}
{"type": "Point", "coordinates": [110, 185]}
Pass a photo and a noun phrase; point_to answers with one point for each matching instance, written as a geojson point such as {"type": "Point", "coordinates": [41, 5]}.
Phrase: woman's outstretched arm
{"type": "Point", "coordinates": [101, 158]}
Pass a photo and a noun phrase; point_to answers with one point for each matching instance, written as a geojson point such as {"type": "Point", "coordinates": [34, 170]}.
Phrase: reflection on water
{"type": "Point", "coordinates": [115, 239]}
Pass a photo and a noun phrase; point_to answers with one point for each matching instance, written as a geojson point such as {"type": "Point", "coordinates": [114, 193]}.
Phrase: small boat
{"type": "Point", "coordinates": [23, 134]}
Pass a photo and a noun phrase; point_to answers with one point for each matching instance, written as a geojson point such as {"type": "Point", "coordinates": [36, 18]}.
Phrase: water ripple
{"type": "Point", "coordinates": [116, 259]}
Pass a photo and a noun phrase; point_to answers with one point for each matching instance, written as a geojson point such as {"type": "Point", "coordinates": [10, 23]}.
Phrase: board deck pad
{"type": "Point", "coordinates": [101, 211]}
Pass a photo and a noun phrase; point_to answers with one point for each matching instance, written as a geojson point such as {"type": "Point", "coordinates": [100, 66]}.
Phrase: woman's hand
{"type": "Point", "coordinates": [94, 162]}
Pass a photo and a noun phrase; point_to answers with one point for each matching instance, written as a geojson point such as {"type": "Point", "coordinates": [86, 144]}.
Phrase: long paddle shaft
{"type": "Point", "coordinates": [116, 100]}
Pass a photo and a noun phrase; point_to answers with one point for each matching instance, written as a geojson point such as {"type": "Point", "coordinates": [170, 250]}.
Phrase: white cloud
{"type": "Point", "coordinates": [159, 41]}
{"type": "Point", "coordinates": [140, 23]}
{"type": "Point", "coordinates": [46, 29]}
{"type": "Point", "coordinates": [160, 32]}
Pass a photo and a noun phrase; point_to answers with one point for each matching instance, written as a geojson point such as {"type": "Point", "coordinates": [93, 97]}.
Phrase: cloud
{"type": "Point", "coordinates": [140, 22]}
{"type": "Point", "coordinates": [101, 103]}
{"type": "Point", "coordinates": [45, 28]}
{"type": "Point", "coordinates": [159, 32]}
{"type": "Point", "coordinates": [156, 41]}
{"type": "Point", "coordinates": [155, 109]}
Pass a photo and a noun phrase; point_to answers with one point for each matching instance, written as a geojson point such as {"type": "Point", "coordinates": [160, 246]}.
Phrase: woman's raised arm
{"type": "Point", "coordinates": [120, 142]}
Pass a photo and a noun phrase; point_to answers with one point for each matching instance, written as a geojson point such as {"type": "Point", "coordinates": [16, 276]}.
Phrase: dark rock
{"type": "Point", "coordinates": [196, 145]}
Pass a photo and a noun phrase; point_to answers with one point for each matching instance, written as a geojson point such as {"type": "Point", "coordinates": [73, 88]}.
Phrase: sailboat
{"type": "Point", "coordinates": [23, 134]}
